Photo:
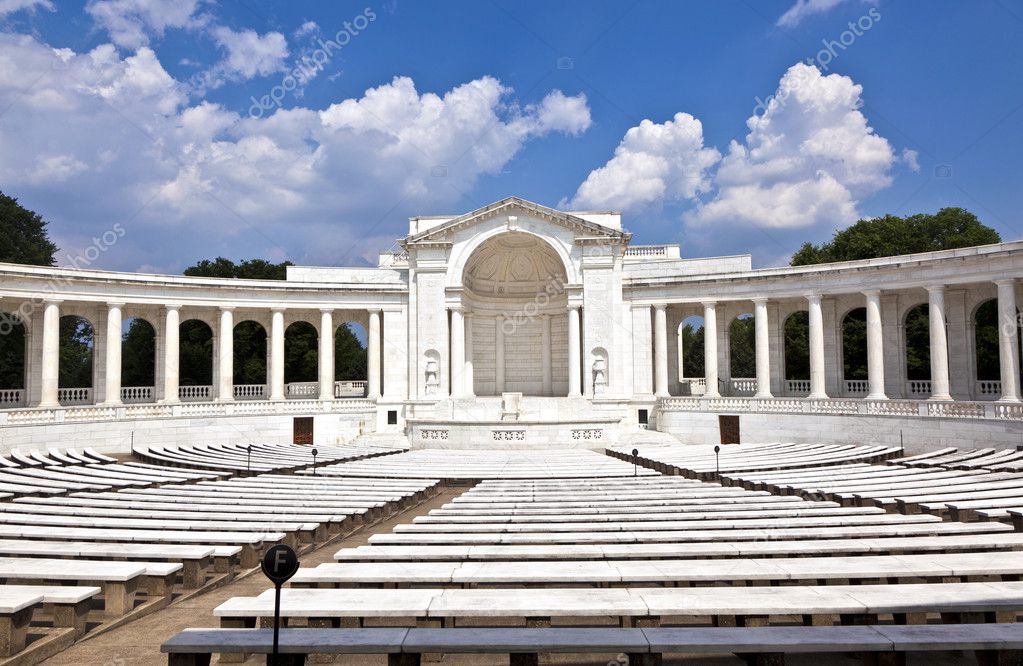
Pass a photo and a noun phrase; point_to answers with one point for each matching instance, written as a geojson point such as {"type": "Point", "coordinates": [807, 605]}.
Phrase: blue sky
{"type": "Point", "coordinates": [130, 125]}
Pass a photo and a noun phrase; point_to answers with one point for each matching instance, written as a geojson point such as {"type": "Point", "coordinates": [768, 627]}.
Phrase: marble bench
{"type": "Point", "coordinates": [643, 647]}
{"type": "Point", "coordinates": [70, 604]}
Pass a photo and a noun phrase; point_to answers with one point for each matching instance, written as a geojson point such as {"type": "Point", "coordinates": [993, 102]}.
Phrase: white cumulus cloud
{"type": "Point", "coordinates": [652, 164]}
{"type": "Point", "coordinates": [131, 23]}
{"type": "Point", "coordinates": [249, 54]}
{"type": "Point", "coordinates": [807, 160]}
{"type": "Point", "coordinates": [101, 138]}
{"type": "Point", "coordinates": [11, 6]}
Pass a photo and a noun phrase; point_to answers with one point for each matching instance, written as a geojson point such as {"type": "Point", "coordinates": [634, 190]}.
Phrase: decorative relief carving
{"type": "Point", "coordinates": [509, 435]}
{"type": "Point", "coordinates": [435, 434]}
{"type": "Point", "coordinates": [588, 433]}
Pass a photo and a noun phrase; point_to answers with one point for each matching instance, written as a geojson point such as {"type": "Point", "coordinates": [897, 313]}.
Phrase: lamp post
{"type": "Point", "coordinates": [314, 461]}
{"type": "Point", "coordinates": [635, 462]}
{"type": "Point", "coordinates": [717, 461]}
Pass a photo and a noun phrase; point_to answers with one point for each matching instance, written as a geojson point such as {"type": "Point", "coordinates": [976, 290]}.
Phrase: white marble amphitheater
{"type": "Point", "coordinates": [526, 473]}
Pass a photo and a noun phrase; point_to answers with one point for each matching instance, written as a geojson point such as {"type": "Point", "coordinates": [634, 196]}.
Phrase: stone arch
{"type": "Point", "coordinates": [742, 348]}
{"type": "Point", "coordinates": [301, 353]}
{"type": "Point", "coordinates": [461, 256]}
{"type": "Point", "coordinates": [195, 344]}
{"type": "Point", "coordinates": [77, 342]}
{"type": "Point", "coordinates": [917, 336]}
{"type": "Point", "coordinates": [138, 354]}
{"type": "Point", "coordinates": [250, 344]}
{"type": "Point", "coordinates": [351, 357]}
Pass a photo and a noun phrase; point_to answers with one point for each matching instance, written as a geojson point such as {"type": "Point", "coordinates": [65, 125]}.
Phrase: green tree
{"type": "Point", "coordinates": [692, 351]}
{"type": "Point", "coordinates": [918, 343]}
{"type": "Point", "coordinates": [854, 344]}
{"type": "Point", "coordinates": [138, 354]}
{"type": "Point", "coordinates": [300, 353]}
{"type": "Point", "coordinates": [12, 353]}
{"type": "Point", "coordinates": [248, 269]}
{"type": "Point", "coordinates": [23, 236]}
{"type": "Point", "coordinates": [742, 347]}
{"type": "Point", "coordinates": [349, 355]}
{"type": "Point", "coordinates": [76, 344]}
{"type": "Point", "coordinates": [986, 336]}
{"type": "Point", "coordinates": [797, 346]}
{"type": "Point", "coordinates": [892, 235]}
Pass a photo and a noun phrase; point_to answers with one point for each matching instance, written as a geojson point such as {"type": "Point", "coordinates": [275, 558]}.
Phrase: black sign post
{"type": "Point", "coordinates": [717, 459]}
{"type": "Point", "coordinates": [314, 462]}
{"type": "Point", "coordinates": [279, 564]}
{"type": "Point", "coordinates": [248, 459]}
{"type": "Point", "coordinates": [635, 462]}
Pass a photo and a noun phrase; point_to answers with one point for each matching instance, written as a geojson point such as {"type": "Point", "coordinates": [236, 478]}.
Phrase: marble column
{"type": "Point", "coordinates": [225, 391]}
{"type": "Point", "coordinates": [545, 355]}
{"type": "Point", "coordinates": [171, 353]}
{"type": "Point", "coordinates": [817, 373]}
{"type": "Point", "coordinates": [112, 390]}
{"type": "Point", "coordinates": [499, 354]}
{"type": "Point", "coordinates": [763, 347]}
{"type": "Point", "coordinates": [574, 352]}
{"type": "Point", "coordinates": [939, 344]}
{"type": "Point", "coordinates": [373, 352]}
{"type": "Point", "coordinates": [276, 372]}
{"type": "Point", "coordinates": [1008, 344]}
{"type": "Point", "coordinates": [710, 348]}
{"type": "Point", "coordinates": [51, 354]}
{"type": "Point", "coordinates": [457, 352]}
{"type": "Point", "coordinates": [875, 347]}
{"type": "Point", "coordinates": [468, 378]}
{"type": "Point", "coordinates": [326, 354]}
{"type": "Point", "coordinates": [660, 350]}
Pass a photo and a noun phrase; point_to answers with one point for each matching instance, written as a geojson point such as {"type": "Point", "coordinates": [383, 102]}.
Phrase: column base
{"type": "Point", "coordinates": [111, 403]}
{"type": "Point", "coordinates": [1009, 399]}
{"type": "Point", "coordinates": [169, 401]}
{"type": "Point", "coordinates": [709, 394]}
{"type": "Point", "coordinates": [763, 396]}
{"type": "Point", "coordinates": [876, 396]}
{"type": "Point", "coordinates": [48, 405]}
{"type": "Point", "coordinates": [817, 396]}
{"type": "Point", "coordinates": [940, 398]}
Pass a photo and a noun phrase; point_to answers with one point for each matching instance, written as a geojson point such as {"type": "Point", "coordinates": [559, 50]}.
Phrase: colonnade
{"type": "Point", "coordinates": [224, 343]}
{"type": "Point", "coordinates": [876, 340]}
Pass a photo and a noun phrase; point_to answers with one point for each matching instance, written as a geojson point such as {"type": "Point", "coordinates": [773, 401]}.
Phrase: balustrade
{"type": "Point", "coordinates": [918, 388]}
{"type": "Point", "coordinates": [797, 386]}
{"type": "Point", "coordinates": [136, 394]}
{"type": "Point", "coordinates": [697, 386]}
{"type": "Point", "coordinates": [250, 391]}
{"type": "Point", "coordinates": [857, 387]}
{"type": "Point", "coordinates": [989, 389]}
{"type": "Point", "coordinates": [742, 386]}
{"type": "Point", "coordinates": [74, 396]}
{"type": "Point", "coordinates": [302, 389]}
{"type": "Point", "coordinates": [195, 392]}
{"type": "Point", "coordinates": [12, 398]}
{"type": "Point", "coordinates": [351, 389]}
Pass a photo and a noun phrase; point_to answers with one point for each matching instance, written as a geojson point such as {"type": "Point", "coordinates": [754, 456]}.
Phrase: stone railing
{"type": "Point", "coordinates": [742, 386]}
{"type": "Point", "coordinates": [136, 394]}
{"type": "Point", "coordinates": [695, 386]}
{"type": "Point", "coordinates": [74, 396]}
{"type": "Point", "coordinates": [250, 391]}
{"type": "Point", "coordinates": [953, 409]}
{"type": "Point", "coordinates": [657, 251]}
{"type": "Point", "coordinates": [302, 389]}
{"type": "Point", "coordinates": [989, 388]}
{"type": "Point", "coordinates": [12, 398]}
{"type": "Point", "coordinates": [797, 386]}
{"type": "Point", "coordinates": [351, 389]}
{"type": "Point", "coordinates": [918, 387]}
{"type": "Point", "coordinates": [857, 387]}
{"type": "Point", "coordinates": [196, 392]}
{"type": "Point", "coordinates": [183, 410]}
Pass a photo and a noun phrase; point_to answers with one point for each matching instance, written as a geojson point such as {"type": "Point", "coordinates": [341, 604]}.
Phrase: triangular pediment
{"type": "Point", "coordinates": [513, 205]}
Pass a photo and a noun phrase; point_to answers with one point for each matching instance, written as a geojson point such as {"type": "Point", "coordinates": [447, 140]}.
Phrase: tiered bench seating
{"type": "Point", "coordinates": [642, 646]}
{"type": "Point", "coordinates": [486, 464]}
{"type": "Point", "coordinates": [255, 458]}
{"type": "Point", "coordinates": [992, 459]}
{"type": "Point", "coordinates": [961, 494]}
{"type": "Point", "coordinates": [701, 462]}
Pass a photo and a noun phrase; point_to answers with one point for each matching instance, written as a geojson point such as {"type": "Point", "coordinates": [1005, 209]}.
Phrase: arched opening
{"type": "Point", "coordinates": [74, 377]}
{"type": "Point", "coordinates": [250, 378]}
{"type": "Point", "coordinates": [742, 355]}
{"type": "Point", "coordinates": [986, 350]}
{"type": "Point", "coordinates": [12, 360]}
{"type": "Point", "coordinates": [301, 360]}
{"type": "Point", "coordinates": [918, 351]}
{"type": "Point", "coordinates": [854, 352]}
{"type": "Point", "coordinates": [138, 360]}
{"type": "Point", "coordinates": [692, 375]}
{"type": "Point", "coordinates": [517, 338]}
{"type": "Point", "coordinates": [350, 360]}
{"type": "Point", "coordinates": [196, 360]}
{"type": "Point", "coordinates": [797, 353]}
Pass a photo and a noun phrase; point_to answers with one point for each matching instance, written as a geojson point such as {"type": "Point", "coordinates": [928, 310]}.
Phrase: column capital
{"type": "Point", "coordinates": [660, 306]}
{"type": "Point", "coordinates": [226, 308]}
{"type": "Point", "coordinates": [280, 310]}
{"type": "Point", "coordinates": [760, 300]}
{"type": "Point", "coordinates": [575, 306]}
{"type": "Point", "coordinates": [872, 293]}
{"type": "Point", "coordinates": [374, 310]}
{"type": "Point", "coordinates": [172, 306]}
{"type": "Point", "coordinates": [115, 304]}
{"type": "Point", "coordinates": [1005, 282]}
{"type": "Point", "coordinates": [327, 310]}
{"type": "Point", "coordinates": [709, 304]}
{"type": "Point", "coordinates": [53, 301]}
{"type": "Point", "coordinates": [813, 296]}
{"type": "Point", "coordinates": [456, 308]}
{"type": "Point", "coordinates": [936, 289]}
